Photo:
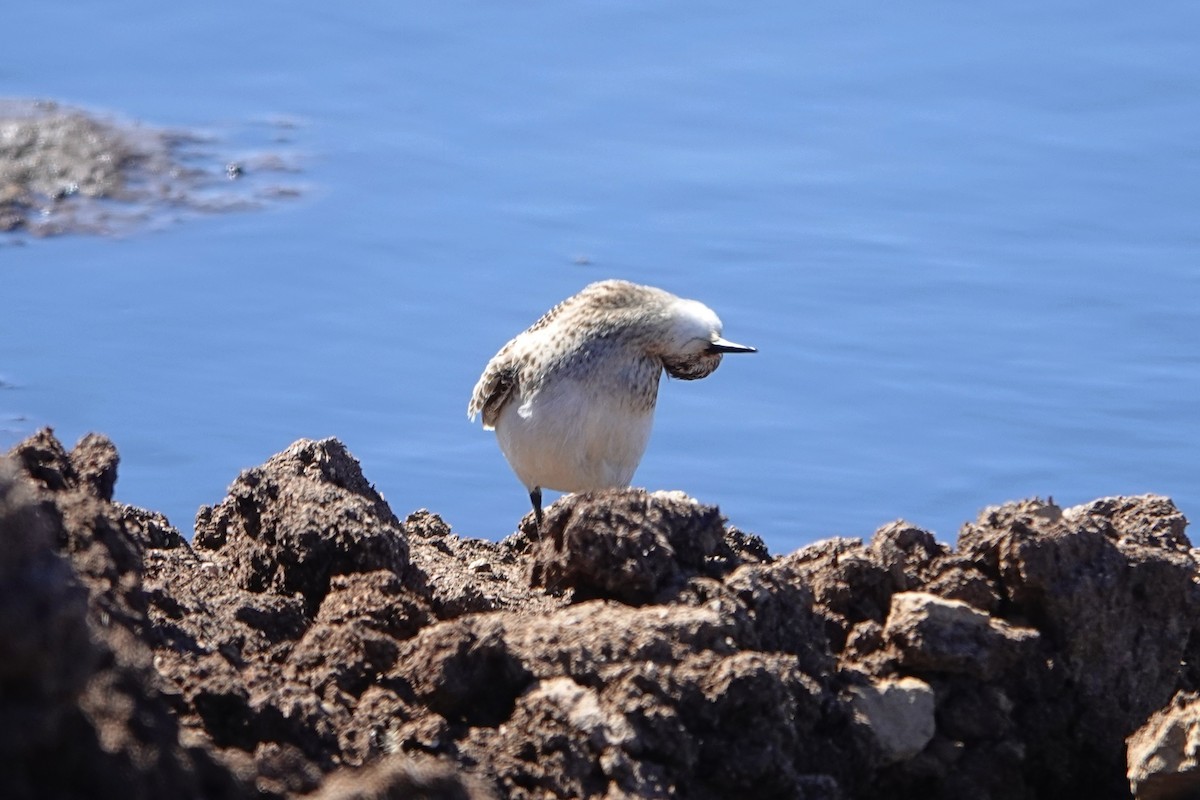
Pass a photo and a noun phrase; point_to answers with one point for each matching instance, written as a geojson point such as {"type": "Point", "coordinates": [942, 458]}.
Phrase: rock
{"type": "Point", "coordinates": [46, 664]}
{"type": "Point", "coordinates": [1112, 585]}
{"type": "Point", "coordinates": [355, 637]}
{"type": "Point", "coordinates": [288, 614]}
{"type": "Point", "coordinates": [957, 578]}
{"type": "Point", "coordinates": [775, 611]}
{"type": "Point", "coordinates": [754, 717]}
{"type": "Point", "coordinates": [80, 711]}
{"type": "Point", "coordinates": [306, 515]}
{"type": "Point", "coordinates": [42, 458]}
{"type": "Point", "coordinates": [588, 640]}
{"type": "Point", "coordinates": [907, 553]}
{"type": "Point", "coordinates": [848, 582]}
{"type": "Point", "coordinates": [66, 170]}
{"type": "Point", "coordinates": [464, 671]}
{"type": "Point", "coordinates": [436, 570]}
{"type": "Point", "coordinates": [563, 738]}
{"type": "Point", "coordinates": [150, 530]}
{"type": "Point", "coordinates": [1163, 755]}
{"type": "Point", "coordinates": [930, 634]}
{"type": "Point", "coordinates": [1149, 519]}
{"type": "Point", "coordinates": [899, 713]}
{"type": "Point", "coordinates": [627, 545]}
{"type": "Point", "coordinates": [403, 777]}
{"type": "Point", "coordinates": [312, 644]}
{"type": "Point", "coordinates": [94, 461]}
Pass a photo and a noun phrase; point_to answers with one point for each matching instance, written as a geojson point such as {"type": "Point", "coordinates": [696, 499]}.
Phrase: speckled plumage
{"type": "Point", "coordinates": [572, 398]}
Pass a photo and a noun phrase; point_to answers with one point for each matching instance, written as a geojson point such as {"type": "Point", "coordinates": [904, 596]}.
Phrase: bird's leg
{"type": "Point", "coordinates": [535, 497]}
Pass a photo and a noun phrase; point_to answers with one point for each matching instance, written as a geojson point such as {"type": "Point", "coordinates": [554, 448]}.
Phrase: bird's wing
{"type": "Point", "coordinates": [502, 374]}
{"type": "Point", "coordinates": [494, 390]}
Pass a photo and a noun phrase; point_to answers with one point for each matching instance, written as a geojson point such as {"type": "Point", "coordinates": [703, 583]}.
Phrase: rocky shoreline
{"type": "Point", "coordinates": [309, 643]}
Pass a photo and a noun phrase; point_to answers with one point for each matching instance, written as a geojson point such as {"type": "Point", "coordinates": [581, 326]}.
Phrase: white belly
{"type": "Point", "coordinates": [573, 439]}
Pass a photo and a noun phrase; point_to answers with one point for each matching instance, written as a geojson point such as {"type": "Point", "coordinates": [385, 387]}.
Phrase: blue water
{"type": "Point", "coordinates": [964, 238]}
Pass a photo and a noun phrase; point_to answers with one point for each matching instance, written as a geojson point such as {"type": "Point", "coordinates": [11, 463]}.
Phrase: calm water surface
{"type": "Point", "coordinates": [963, 238]}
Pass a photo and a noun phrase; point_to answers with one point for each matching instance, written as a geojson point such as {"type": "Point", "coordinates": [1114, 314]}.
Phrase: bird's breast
{"type": "Point", "coordinates": [574, 436]}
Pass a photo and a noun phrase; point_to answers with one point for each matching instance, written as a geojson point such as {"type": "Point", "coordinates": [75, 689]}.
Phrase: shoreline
{"type": "Point", "coordinates": [310, 643]}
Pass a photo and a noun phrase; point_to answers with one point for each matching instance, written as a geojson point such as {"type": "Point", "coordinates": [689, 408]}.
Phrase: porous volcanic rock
{"type": "Point", "coordinates": [82, 711]}
{"type": "Point", "coordinates": [630, 545]}
{"type": "Point", "coordinates": [310, 643]}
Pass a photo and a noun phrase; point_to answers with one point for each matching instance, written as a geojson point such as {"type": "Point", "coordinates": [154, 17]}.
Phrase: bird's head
{"type": "Point", "coordinates": [691, 345]}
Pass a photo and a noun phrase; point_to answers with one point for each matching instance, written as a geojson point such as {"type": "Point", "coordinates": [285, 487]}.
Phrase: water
{"type": "Point", "coordinates": [964, 240]}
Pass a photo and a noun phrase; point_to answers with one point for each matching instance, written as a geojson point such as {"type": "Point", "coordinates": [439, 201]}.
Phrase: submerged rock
{"type": "Point", "coordinates": [66, 170]}
{"type": "Point", "coordinates": [310, 641]}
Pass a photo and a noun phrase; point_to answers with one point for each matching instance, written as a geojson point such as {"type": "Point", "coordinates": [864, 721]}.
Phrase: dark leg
{"type": "Point", "coordinates": [535, 497]}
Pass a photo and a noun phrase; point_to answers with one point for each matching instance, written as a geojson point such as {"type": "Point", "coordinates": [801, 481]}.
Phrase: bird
{"type": "Point", "coordinates": [572, 398]}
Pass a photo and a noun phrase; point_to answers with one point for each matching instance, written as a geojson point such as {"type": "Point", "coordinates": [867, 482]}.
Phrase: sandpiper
{"type": "Point", "coordinates": [572, 398]}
